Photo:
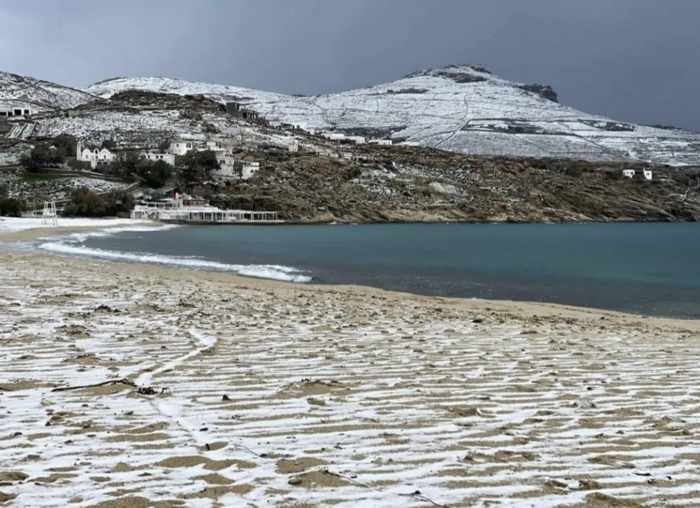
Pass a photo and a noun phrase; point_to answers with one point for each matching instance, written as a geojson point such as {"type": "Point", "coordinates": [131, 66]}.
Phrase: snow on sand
{"type": "Point", "coordinates": [235, 392]}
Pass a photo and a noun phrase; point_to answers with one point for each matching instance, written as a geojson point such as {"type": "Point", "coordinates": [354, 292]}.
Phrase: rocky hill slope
{"type": "Point", "coordinates": [415, 184]}
{"type": "Point", "coordinates": [457, 108]}
{"type": "Point", "coordinates": [41, 95]}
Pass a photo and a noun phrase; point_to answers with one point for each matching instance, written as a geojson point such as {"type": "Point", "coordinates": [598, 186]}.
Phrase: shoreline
{"type": "Point", "coordinates": [549, 309]}
{"type": "Point", "coordinates": [505, 309]}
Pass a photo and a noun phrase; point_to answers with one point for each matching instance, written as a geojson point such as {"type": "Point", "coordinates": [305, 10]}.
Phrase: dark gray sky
{"type": "Point", "coordinates": [634, 60]}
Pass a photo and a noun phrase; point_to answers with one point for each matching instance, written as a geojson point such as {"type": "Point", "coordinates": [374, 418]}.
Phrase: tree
{"type": "Point", "coordinates": [109, 144]}
{"type": "Point", "coordinates": [86, 203]}
{"type": "Point", "coordinates": [42, 156]}
{"type": "Point", "coordinates": [119, 202]}
{"type": "Point", "coordinates": [196, 166]}
{"type": "Point", "coordinates": [10, 207]}
{"type": "Point", "coordinates": [65, 144]}
{"type": "Point", "coordinates": [154, 174]}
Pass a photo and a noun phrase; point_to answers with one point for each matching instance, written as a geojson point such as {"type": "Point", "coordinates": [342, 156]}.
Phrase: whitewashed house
{"type": "Point", "coordinates": [15, 110]}
{"type": "Point", "coordinates": [233, 169]}
{"type": "Point", "coordinates": [95, 156]}
{"type": "Point", "coordinates": [358, 140]}
{"type": "Point", "coordinates": [293, 147]}
{"type": "Point", "coordinates": [168, 158]}
{"type": "Point", "coordinates": [382, 142]}
{"type": "Point", "coordinates": [249, 169]}
{"type": "Point", "coordinates": [181, 147]}
{"type": "Point", "coordinates": [648, 174]}
{"type": "Point", "coordinates": [628, 173]}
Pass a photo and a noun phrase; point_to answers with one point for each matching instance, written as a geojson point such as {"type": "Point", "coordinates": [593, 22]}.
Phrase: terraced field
{"type": "Point", "coordinates": [124, 385]}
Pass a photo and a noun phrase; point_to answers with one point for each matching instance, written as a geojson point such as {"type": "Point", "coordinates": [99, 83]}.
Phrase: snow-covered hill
{"type": "Point", "coordinates": [458, 108]}
{"type": "Point", "coordinates": [40, 95]}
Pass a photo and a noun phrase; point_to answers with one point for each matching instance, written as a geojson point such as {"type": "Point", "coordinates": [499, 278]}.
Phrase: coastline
{"type": "Point", "coordinates": [178, 385]}
{"type": "Point", "coordinates": [518, 309]}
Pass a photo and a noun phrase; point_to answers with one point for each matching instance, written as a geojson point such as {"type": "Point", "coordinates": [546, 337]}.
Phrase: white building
{"type": "Point", "coordinates": [249, 169]}
{"type": "Point", "coordinates": [293, 147]}
{"type": "Point", "coordinates": [181, 147]}
{"type": "Point", "coordinates": [15, 110]}
{"type": "Point", "coordinates": [188, 210]}
{"type": "Point", "coordinates": [648, 174]}
{"type": "Point", "coordinates": [168, 158]}
{"type": "Point", "coordinates": [95, 156]}
{"type": "Point", "coordinates": [232, 169]}
{"type": "Point", "coordinates": [628, 173]}
{"type": "Point", "coordinates": [383, 142]}
{"type": "Point", "coordinates": [358, 140]}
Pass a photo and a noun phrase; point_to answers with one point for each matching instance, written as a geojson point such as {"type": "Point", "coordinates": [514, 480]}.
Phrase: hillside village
{"type": "Point", "coordinates": [97, 155]}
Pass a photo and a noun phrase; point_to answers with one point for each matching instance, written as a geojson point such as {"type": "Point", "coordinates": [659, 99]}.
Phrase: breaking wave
{"type": "Point", "coordinates": [72, 245]}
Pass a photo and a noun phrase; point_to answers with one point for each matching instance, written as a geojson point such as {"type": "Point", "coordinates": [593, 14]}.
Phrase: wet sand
{"type": "Point", "coordinates": [140, 385]}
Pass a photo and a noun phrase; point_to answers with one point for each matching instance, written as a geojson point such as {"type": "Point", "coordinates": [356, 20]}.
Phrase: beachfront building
{"type": "Point", "coordinates": [648, 174]}
{"type": "Point", "coordinates": [184, 209]}
{"type": "Point", "coordinates": [95, 156]}
{"type": "Point", "coordinates": [628, 173]}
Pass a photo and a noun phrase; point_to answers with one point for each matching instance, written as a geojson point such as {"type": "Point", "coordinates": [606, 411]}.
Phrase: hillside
{"type": "Point", "coordinates": [310, 178]}
{"type": "Point", "coordinates": [41, 95]}
{"type": "Point", "coordinates": [462, 109]}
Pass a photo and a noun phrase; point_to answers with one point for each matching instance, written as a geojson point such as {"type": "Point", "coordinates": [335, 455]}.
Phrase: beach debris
{"type": "Point", "coordinates": [123, 381]}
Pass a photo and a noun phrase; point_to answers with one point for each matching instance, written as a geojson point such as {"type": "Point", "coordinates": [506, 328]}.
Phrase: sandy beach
{"type": "Point", "coordinates": [129, 385]}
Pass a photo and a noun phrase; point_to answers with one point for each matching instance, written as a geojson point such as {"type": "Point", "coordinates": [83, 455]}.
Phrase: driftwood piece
{"type": "Point", "coordinates": [95, 385]}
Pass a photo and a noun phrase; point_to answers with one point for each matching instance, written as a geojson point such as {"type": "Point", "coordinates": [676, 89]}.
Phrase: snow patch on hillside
{"type": "Point", "coordinates": [459, 108]}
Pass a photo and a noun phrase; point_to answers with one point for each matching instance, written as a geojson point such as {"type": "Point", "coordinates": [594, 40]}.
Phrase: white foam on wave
{"type": "Point", "coordinates": [72, 244]}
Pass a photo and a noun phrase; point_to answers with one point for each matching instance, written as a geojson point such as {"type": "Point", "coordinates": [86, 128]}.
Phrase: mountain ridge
{"type": "Point", "coordinates": [461, 108]}
{"type": "Point", "coordinates": [42, 95]}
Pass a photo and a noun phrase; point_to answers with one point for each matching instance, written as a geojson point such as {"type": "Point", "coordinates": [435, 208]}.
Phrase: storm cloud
{"type": "Point", "coordinates": [634, 60]}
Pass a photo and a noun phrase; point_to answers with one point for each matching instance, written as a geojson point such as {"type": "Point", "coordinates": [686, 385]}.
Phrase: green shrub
{"type": "Point", "coordinates": [196, 166]}
{"type": "Point", "coordinates": [10, 207]}
{"type": "Point", "coordinates": [86, 203]}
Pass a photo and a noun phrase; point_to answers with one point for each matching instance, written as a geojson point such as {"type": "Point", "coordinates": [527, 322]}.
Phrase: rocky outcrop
{"type": "Point", "coordinates": [402, 184]}
{"type": "Point", "coordinates": [544, 91]}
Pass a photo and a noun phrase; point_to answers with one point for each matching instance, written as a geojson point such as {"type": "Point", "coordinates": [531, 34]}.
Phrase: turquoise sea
{"type": "Point", "coordinates": [650, 269]}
